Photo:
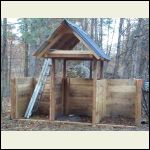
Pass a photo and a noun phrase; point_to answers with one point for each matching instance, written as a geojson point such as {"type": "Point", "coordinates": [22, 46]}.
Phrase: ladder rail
{"type": "Point", "coordinates": [35, 93]}
{"type": "Point", "coordinates": [40, 95]}
{"type": "Point", "coordinates": [39, 86]}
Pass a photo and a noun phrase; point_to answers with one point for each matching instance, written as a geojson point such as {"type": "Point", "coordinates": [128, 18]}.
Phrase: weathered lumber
{"type": "Point", "coordinates": [138, 102]}
{"type": "Point", "coordinates": [69, 54]}
{"type": "Point", "coordinates": [64, 86]}
{"type": "Point", "coordinates": [52, 98]}
{"type": "Point", "coordinates": [95, 68]}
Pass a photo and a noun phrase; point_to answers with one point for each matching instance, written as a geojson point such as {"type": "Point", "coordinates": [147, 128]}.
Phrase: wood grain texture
{"type": "Point", "coordinates": [138, 102]}
{"type": "Point", "coordinates": [79, 96]}
{"type": "Point", "coordinates": [52, 98]}
{"type": "Point", "coordinates": [94, 114]}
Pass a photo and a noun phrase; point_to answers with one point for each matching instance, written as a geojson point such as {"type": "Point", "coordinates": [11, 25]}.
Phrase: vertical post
{"type": "Point", "coordinates": [52, 95]}
{"type": "Point", "coordinates": [94, 92]}
{"type": "Point", "coordinates": [138, 102]}
{"type": "Point", "coordinates": [64, 86]}
{"type": "Point", "coordinates": [90, 69]}
{"type": "Point", "coordinates": [101, 69]}
{"type": "Point", "coordinates": [13, 98]}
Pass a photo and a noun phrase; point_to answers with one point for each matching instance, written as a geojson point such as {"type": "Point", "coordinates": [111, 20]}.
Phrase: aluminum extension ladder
{"type": "Point", "coordinates": [33, 104]}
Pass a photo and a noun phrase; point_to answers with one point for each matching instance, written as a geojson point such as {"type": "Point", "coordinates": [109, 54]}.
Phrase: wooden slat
{"type": "Point", "coordinates": [24, 80]}
{"type": "Point", "coordinates": [123, 89]}
{"type": "Point", "coordinates": [81, 81]}
{"type": "Point", "coordinates": [121, 82]}
{"type": "Point", "coordinates": [138, 102]}
{"type": "Point", "coordinates": [125, 95]}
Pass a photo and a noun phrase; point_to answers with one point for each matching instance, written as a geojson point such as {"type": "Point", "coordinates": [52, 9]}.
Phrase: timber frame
{"type": "Point", "coordinates": [72, 55]}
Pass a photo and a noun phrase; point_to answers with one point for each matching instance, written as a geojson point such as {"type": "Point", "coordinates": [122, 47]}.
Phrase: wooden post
{"type": "Point", "coordinates": [90, 69]}
{"type": "Point", "coordinates": [138, 102]}
{"type": "Point", "coordinates": [101, 70]}
{"type": "Point", "coordinates": [94, 92]}
{"type": "Point", "coordinates": [52, 98]}
{"type": "Point", "coordinates": [63, 86]}
{"type": "Point", "coordinates": [13, 98]}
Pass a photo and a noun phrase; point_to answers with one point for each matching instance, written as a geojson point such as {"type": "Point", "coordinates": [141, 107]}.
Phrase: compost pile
{"type": "Point", "coordinates": [75, 118]}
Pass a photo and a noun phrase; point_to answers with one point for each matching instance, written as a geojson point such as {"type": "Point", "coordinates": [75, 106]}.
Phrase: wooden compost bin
{"type": "Point", "coordinates": [118, 97]}
{"type": "Point", "coordinates": [114, 97]}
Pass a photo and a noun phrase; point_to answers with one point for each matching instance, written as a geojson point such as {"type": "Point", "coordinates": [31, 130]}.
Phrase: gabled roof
{"type": "Point", "coordinates": [68, 41]}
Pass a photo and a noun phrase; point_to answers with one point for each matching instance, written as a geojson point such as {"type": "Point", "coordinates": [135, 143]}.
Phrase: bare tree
{"type": "Point", "coordinates": [115, 74]}
{"type": "Point", "coordinates": [112, 38]}
{"type": "Point", "coordinates": [101, 33]}
{"type": "Point", "coordinates": [127, 53]}
{"type": "Point", "coordinates": [26, 46]}
{"type": "Point", "coordinates": [4, 59]}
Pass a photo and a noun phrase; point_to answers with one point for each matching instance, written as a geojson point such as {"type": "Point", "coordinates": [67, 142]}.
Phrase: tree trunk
{"type": "Point", "coordinates": [112, 39]}
{"type": "Point", "coordinates": [4, 60]}
{"type": "Point", "coordinates": [115, 74]}
{"type": "Point", "coordinates": [101, 33]}
{"type": "Point", "coordinates": [138, 51]}
{"type": "Point", "coordinates": [96, 34]}
{"type": "Point", "coordinates": [108, 36]}
{"type": "Point", "coordinates": [26, 47]}
{"type": "Point", "coordinates": [127, 53]}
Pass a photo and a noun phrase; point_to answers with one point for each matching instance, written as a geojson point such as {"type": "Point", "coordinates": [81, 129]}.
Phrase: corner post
{"type": "Point", "coordinates": [138, 102]}
{"type": "Point", "coordinates": [52, 95]}
{"type": "Point", "coordinates": [95, 68]}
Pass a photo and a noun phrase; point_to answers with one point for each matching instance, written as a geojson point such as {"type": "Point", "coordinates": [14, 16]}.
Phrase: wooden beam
{"type": "Point", "coordinates": [69, 54]}
{"type": "Point", "coordinates": [94, 92]}
{"type": "Point", "coordinates": [52, 95]}
{"type": "Point", "coordinates": [138, 102]}
{"type": "Point", "coordinates": [63, 85]}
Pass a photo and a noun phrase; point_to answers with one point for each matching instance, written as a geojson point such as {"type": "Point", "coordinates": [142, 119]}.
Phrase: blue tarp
{"type": "Point", "coordinates": [87, 40]}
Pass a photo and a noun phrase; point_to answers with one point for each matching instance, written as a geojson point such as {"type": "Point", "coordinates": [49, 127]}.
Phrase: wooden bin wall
{"type": "Point", "coordinates": [118, 97]}
{"type": "Point", "coordinates": [79, 96]}
{"type": "Point", "coordinates": [21, 91]}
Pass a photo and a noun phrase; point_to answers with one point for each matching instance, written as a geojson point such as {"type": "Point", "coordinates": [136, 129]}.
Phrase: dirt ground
{"type": "Point", "coordinates": [28, 125]}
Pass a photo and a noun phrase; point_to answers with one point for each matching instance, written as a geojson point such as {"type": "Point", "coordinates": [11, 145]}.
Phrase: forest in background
{"type": "Point", "coordinates": [129, 53]}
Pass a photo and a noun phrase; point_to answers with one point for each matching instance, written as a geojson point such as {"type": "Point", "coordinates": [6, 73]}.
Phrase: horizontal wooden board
{"type": "Point", "coordinates": [120, 82]}
{"type": "Point", "coordinates": [120, 101]}
{"type": "Point", "coordinates": [80, 99]}
{"type": "Point", "coordinates": [120, 110]}
{"type": "Point", "coordinates": [80, 81]}
{"type": "Point", "coordinates": [25, 80]}
{"type": "Point", "coordinates": [122, 89]}
{"type": "Point", "coordinates": [121, 95]}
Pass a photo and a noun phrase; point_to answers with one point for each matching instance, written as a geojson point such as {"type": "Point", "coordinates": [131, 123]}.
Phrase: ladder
{"type": "Point", "coordinates": [33, 104]}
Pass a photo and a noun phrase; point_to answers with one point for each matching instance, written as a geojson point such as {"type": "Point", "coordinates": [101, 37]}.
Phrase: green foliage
{"type": "Point", "coordinates": [78, 71]}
